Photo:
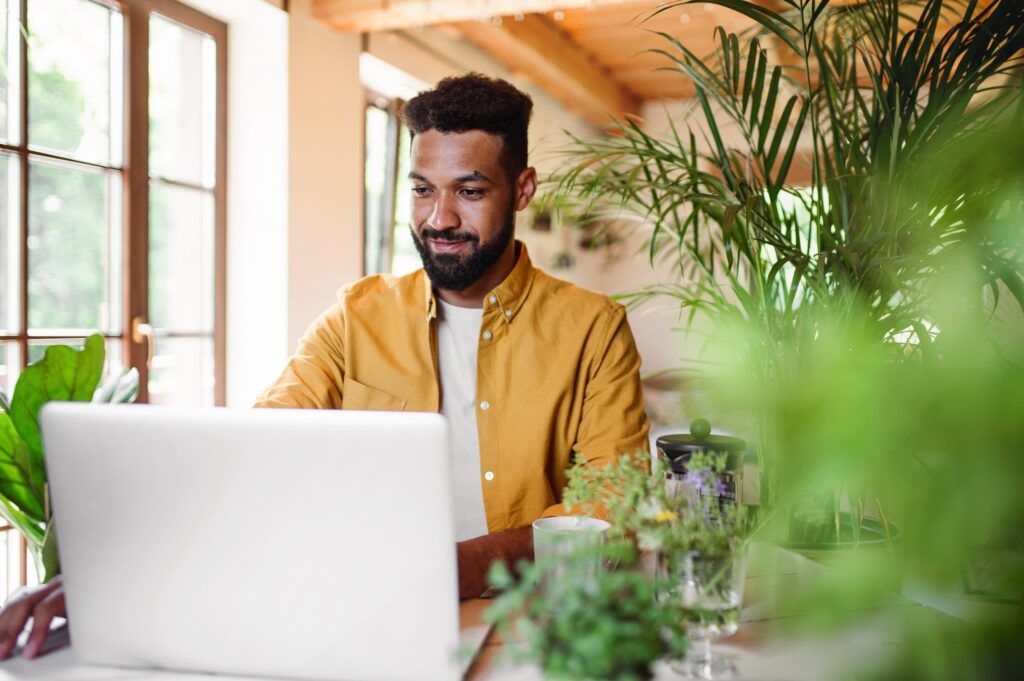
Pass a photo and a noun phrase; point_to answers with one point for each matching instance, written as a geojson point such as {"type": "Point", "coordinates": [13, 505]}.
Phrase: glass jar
{"type": "Point", "coordinates": [710, 490]}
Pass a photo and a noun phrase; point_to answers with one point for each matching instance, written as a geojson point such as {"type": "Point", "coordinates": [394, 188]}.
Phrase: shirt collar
{"type": "Point", "coordinates": [508, 296]}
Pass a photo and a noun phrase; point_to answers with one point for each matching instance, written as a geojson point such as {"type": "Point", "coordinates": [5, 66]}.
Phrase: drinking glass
{"type": "Point", "coordinates": [708, 587]}
{"type": "Point", "coordinates": [568, 548]}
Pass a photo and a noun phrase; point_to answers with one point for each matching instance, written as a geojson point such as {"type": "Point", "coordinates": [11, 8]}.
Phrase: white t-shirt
{"type": "Point", "coordinates": [458, 336]}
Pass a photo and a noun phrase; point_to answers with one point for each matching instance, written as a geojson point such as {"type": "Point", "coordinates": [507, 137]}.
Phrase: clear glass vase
{"type": "Point", "coordinates": [709, 590]}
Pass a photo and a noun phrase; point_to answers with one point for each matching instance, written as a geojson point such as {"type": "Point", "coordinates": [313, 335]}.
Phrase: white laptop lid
{"type": "Point", "coordinates": [287, 543]}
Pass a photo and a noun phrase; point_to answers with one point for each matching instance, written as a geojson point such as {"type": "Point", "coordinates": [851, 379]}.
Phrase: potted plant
{"type": "Point", "coordinates": [66, 374]}
{"type": "Point", "coordinates": [609, 627]}
{"type": "Point", "coordinates": [862, 95]}
{"type": "Point", "coordinates": [636, 612]}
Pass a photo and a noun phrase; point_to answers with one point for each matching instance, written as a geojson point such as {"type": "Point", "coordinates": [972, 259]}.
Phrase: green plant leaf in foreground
{"type": "Point", "coordinates": [64, 374]}
{"type": "Point", "coordinates": [49, 553]}
{"type": "Point", "coordinates": [15, 483]}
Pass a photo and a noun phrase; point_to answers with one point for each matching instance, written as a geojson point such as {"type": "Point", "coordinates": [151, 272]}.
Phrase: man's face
{"type": "Point", "coordinates": [463, 205]}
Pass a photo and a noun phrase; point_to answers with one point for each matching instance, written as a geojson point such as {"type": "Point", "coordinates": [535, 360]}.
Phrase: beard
{"type": "Point", "coordinates": [457, 272]}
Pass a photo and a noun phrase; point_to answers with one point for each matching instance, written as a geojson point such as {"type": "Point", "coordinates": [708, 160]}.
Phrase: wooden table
{"type": "Point", "coordinates": [773, 642]}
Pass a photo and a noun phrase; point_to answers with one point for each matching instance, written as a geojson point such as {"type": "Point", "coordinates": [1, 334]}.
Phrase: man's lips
{"type": "Point", "coordinates": [447, 245]}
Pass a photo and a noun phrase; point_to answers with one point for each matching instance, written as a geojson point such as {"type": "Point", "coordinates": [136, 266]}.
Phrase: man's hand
{"type": "Point", "coordinates": [476, 555]}
{"type": "Point", "coordinates": [42, 604]}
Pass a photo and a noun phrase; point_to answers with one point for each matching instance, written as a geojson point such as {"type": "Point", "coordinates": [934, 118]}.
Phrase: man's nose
{"type": "Point", "coordinates": [444, 215]}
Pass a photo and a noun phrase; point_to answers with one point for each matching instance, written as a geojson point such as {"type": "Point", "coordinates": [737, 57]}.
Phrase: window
{"type": "Point", "coordinates": [112, 178]}
{"type": "Point", "coordinates": [388, 245]}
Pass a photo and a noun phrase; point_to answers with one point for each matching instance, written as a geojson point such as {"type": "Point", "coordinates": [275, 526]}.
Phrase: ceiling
{"type": "Point", "coordinates": [592, 55]}
{"type": "Point", "coordinates": [595, 56]}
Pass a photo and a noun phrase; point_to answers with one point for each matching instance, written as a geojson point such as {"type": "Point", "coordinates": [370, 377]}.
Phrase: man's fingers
{"type": "Point", "coordinates": [44, 612]}
{"type": "Point", "coordinates": [17, 611]}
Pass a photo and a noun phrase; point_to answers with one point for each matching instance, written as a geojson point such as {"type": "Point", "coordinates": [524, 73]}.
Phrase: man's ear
{"type": "Point", "coordinates": [525, 188]}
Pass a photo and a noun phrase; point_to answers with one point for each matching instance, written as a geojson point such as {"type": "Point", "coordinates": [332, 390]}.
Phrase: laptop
{"type": "Point", "coordinates": [282, 543]}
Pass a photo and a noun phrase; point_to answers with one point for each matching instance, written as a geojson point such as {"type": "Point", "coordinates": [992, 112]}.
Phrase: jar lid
{"type": "Point", "coordinates": [680, 447]}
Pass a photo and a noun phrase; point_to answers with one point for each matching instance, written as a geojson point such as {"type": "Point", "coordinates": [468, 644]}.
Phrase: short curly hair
{"type": "Point", "coordinates": [476, 102]}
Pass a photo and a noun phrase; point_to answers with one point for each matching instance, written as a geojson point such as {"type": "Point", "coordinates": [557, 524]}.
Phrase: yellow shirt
{"type": "Point", "coordinates": [557, 374]}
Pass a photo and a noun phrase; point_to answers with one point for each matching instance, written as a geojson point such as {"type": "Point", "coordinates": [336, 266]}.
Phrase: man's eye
{"type": "Point", "coordinates": [472, 193]}
{"type": "Point", "coordinates": [421, 191]}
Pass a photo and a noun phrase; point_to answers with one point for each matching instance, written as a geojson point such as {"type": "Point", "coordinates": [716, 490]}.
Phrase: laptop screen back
{"type": "Point", "coordinates": [295, 543]}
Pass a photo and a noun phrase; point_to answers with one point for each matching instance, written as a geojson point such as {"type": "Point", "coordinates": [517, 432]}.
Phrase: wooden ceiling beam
{"type": "Point", "coordinates": [536, 48]}
{"type": "Point", "coordinates": [386, 15]}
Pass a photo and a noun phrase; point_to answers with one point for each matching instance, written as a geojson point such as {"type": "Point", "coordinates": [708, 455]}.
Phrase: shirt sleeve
{"type": "Point", "coordinates": [613, 421]}
{"type": "Point", "coordinates": [315, 374]}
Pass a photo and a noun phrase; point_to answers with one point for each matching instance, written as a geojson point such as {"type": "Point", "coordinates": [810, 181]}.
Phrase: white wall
{"type": "Point", "coordinates": [257, 192]}
{"type": "Point", "coordinates": [295, 117]}
{"type": "Point", "coordinates": [325, 184]}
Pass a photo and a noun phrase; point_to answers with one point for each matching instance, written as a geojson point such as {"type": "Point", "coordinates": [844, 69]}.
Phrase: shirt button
{"type": "Point", "coordinates": [485, 405]}
{"type": "Point", "coordinates": [493, 299]}
{"type": "Point", "coordinates": [488, 475]}
{"type": "Point", "coordinates": [487, 335]}
{"type": "Point", "coordinates": [508, 313]}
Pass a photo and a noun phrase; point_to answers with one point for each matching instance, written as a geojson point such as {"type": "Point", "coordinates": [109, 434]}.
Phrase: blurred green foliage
{"type": "Point", "coordinates": [869, 329]}
{"type": "Point", "coordinates": [610, 625]}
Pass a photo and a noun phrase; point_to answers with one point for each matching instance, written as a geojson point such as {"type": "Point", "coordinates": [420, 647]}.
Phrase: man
{"type": "Point", "coordinates": [528, 369]}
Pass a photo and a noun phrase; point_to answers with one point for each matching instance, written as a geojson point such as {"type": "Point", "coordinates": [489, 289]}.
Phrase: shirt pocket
{"type": "Point", "coordinates": [356, 395]}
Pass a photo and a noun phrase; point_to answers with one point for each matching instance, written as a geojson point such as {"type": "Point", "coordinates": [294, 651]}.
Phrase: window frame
{"type": "Point", "coordinates": [135, 179]}
{"type": "Point", "coordinates": [136, 248]}
{"type": "Point", "coordinates": [383, 233]}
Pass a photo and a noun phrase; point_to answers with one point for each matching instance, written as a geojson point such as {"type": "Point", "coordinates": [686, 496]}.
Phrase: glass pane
{"type": "Point", "coordinates": [181, 259]}
{"type": "Point", "coordinates": [74, 263]}
{"type": "Point", "coordinates": [182, 103]}
{"type": "Point", "coordinates": [404, 257]}
{"type": "Point", "coordinates": [10, 560]}
{"type": "Point", "coordinates": [375, 176]}
{"type": "Point", "coordinates": [5, 60]}
{"type": "Point", "coordinates": [10, 242]}
{"type": "Point", "coordinates": [10, 367]}
{"type": "Point", "coordinates": [37, 348]}
{"type": "Point", "coordinates": [111, 362]}
{"type": "Point", "coordinates": [10, 71]}
{"type": "Point", "coordinates": [74, 53]}
{"type": "Point", "coordinates": [182, 372]}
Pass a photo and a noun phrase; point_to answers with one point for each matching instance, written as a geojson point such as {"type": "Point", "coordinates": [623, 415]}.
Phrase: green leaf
{"type": "Point", "coordinates": [773, 21]}
{"type": "Point", "coordinates": [49, 553]}
{"type": "Point", "coordinates": [64, 374]}
{"type": "Point", "coordinates": [31, 529]}
{"type": "Point", "coordinates": [15, 481]}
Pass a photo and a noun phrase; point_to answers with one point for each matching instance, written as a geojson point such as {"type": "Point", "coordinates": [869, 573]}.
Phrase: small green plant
{"type": "Point", "coordinates": [617, 624]}
{"type": "Point", "coordinates": [612, 626]}
{"type": "Point", "coordinates": [633, 493]}
{"type": "Point", "coordinates": [64, 374]}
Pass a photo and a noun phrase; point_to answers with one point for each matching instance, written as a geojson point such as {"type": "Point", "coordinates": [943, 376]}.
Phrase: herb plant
{"type": "Point", "coordinates": [611, 627]}
{"type": "Point", "coordinates": [618, 624]}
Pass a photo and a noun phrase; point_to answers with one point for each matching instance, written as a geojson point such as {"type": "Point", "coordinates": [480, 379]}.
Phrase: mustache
{"type": "Point", "coordinates": [447, 235]}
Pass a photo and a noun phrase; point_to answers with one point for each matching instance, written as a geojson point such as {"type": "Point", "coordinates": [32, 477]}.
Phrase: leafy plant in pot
{"type": "Point", "coordinates": [620, 622]}
{"type": "Point", "coordinates": [611, 626]}
{"type": "Point", "coordinates": [65, 374]}
{"type": "Point", "coordinates": [861, 95]}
